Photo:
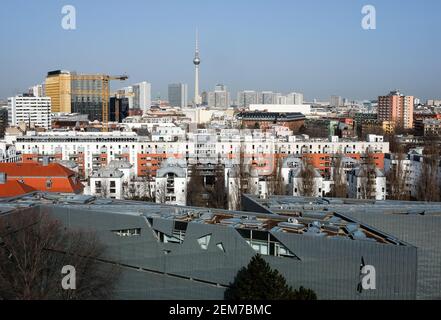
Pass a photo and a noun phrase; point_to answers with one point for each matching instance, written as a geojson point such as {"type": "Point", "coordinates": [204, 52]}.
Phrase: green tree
{"type": "Point", "coordinates": [259, 282]}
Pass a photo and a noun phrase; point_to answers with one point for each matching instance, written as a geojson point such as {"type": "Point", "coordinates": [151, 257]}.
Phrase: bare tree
{"type": "Point", "coordinates": [428, 188]}
{"type": "Point", "coordinates": [33, 250]}
{"type": "Point", "coordinates": [218, 196]}
{"type": "Point", "coordinates": [368, 175]}
{"type": "Point", "coordinates": [398, 174]}
{"type": "Point", "coordinates": [275, 183]}
{"type": "Point", "coordinates": [307, 178]}
{"type": "Point", "coordinates": [339, 186]}
{"type": "Point", "coordinates": [195, 188]}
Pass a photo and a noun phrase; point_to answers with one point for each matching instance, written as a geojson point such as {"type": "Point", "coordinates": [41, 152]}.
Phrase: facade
{"type": "Point", "coordinates": [107, 183]}
{"type": "Point", "coordinates": [171, 182]}
{"type": "Point", "coordinates": [58, 88]}
{"type": "Point", "coordinates": [336, 101]}
{"type": "Point", "coordinates": [93, 150]}
{"type": "Point", "coordinates": [264, 120]}
{"type": "Point", "coordinates": [219, 98]}
{"type": "Point", "coordinates": [142, 96]}
{"type": "Point", "coordinates": [359, 187]}
{"type": "Point", "coordinates": [34, 111]}
{"type": "Point", "coordinates": [246, 98]}
{"type": "Point", "coordinates": [118, 109]}
{"type": "Point", "coordinates": [192, 253]}
{"type": "Point", "coordinates": [4, 121]}
{"type": "Point", "coordinates": [88, 93]}
{"type": "Point", "coordinates": [178, 95]}
{"type": "Point", "coordinates": [397, 109]}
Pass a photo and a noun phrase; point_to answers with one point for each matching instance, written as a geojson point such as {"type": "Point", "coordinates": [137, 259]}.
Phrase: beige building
{"type": "Point", "coordinates": [58, 88]}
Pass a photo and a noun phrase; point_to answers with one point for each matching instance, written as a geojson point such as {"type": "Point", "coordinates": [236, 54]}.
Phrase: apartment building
{"type": "Point", "coordinates": [33, 111]}
{"type": "Point", "coordinates": [397, 109]}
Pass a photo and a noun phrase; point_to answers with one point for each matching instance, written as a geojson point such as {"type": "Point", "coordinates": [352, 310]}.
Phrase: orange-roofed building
{"type": "Point", "coordinates": [13, 188]}
{"type": "Point", "coordinates": [52, 177]}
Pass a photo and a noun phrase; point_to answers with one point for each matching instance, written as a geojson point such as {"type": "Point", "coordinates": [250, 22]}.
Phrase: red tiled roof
{"type": "Point", "coordinates": [35, 170]}
{"type": "Point", "coordinates": [49, 178]}
{"type": "Point", "coordinates": [14, 188]}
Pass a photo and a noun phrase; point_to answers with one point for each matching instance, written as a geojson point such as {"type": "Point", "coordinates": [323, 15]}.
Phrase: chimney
{"type": "Point", "coordinates": [3, 178]}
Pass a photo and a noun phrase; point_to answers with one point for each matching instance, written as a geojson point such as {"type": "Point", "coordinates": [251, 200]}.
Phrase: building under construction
{"type": "Point", "coordinates": [80, 93]}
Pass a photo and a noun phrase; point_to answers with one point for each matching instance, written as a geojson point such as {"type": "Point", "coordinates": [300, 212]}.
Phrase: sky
{"type": "Point", "coordinates": [317, 47]}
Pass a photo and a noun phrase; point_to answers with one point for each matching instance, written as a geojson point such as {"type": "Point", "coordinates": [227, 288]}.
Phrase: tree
{"type": "Point", "coordinates": [218, 196]}
{"type": "Point", "coordinates": [275, 180]}
{"type": "Point", "coordinates": [307, 178]}
{"type": "Point", "coordinates": [368, 175]}
{"type": "Point", "coordinates": [34, 248]}
{"type": "Point", "coordinates": [195, 188]}
{"type": "Point", "coordinates": [428, 188]}
{"type": "Point", "coordinates": [258, 281]}
{"type": "Point", "coordinates": [398, 175]}
{"type": "Point", "coordinates": [339, 186]}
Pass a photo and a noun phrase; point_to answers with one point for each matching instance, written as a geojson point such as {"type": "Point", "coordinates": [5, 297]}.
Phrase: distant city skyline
{"type": "Point", "coordinates": [317, 48]}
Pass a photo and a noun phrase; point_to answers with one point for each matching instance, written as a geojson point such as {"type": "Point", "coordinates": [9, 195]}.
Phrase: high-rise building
{"type": "Point", "coordinates": [142, 96]}
{"type": "Point", "coordinates": [118, 109]}
{"type": "Point", "coordinates": [196, 61]}
{"type": "Point", "coordinates": [37, 90]}
{"type": "Point", "coordinates": [294, 98]}
{"type": "Point", "coordinates": [397, 109]}
{"type": "Point", "coordinates": [58, 88]}
{"type": "Point", "coordinates": [336, 101]}
{"type": "Point", "coordinates": [88, 93]}
{"type": "Point", "coordinates": [267, 97]}
{"type": "Point", "coordinates": [3, 120]}
{"type": "Point", "coordinates": [34, 111]}
{"type": "Point", "coordinates": [245, 98]}
{"type": "Point", "coordinates": [177, 95]}
{"type": "Point", "coordinates": [220, 98]}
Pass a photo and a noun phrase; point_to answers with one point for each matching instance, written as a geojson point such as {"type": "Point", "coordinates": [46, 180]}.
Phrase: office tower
{"type": "Point", "coordinates": [118, 108]}
{"type": "Point", "coordinates": [142, 96]}
{"type": "Point", "coordinates": [336, 101]}
{"type": "Point", "coordinates": [245, 98]}
{"type": "Point", "coordinates": [204, 98]}
{"type": "Point", "coordinates": [37, 90]}
{"type": "Point", "coordinates": [177, 95]}
{"type": "Point", "coordinates": [294, 98]}
{"type": "Point", "coordinates": [34, 111]}
{"type": "Point", "coordinates": [196, 62]}
{"type": "Point", "coordinates": [396, 108]}
{"type": "Point", "coordinates": [58, 88]}
{"type": "Point", "coordinates": [267, 97]}
{"type": "Point", "coordinates": [89, 92]}
{"type": "Point", "coordinates": [220, 98]}
{"type": "Point", "coordinates": [3, 120]}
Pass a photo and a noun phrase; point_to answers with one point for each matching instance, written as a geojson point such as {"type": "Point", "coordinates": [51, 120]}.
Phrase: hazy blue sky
{"type": "Point", "coordinates": [311, 46]}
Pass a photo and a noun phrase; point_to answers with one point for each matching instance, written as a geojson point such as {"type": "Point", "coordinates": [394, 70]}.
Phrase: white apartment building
{"type": "Point", "coordinates": [358, 186]}
{"type": "Point", "coordinates": [107, 183]}
{"type": "Point", "coordinates": [219, 98]}
{"type": "Point", "coordinates": [34, 111]}
{"type": "Point", "coordinates": [171, 182]}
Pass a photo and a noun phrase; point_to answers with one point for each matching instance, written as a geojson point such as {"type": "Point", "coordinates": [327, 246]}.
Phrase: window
{"type": "Point", "coordinates": [127, 232]}
{"type": "Point", "coordinates": [48, 183]}
{"type": "Point", "coordinates": [204, 241]}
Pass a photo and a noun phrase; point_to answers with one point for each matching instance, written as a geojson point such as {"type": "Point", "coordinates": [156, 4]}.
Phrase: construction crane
{"type": "Point", "coordinates": [105, 96]}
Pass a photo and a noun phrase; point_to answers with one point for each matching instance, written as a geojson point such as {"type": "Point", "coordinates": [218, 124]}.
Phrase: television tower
{"type": "Point", "coordinates": [196, 61]}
